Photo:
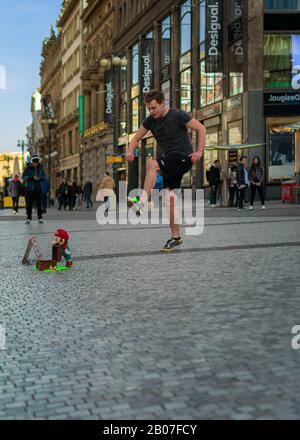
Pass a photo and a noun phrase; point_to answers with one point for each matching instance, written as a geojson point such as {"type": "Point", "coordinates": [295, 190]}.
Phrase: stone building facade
{"type": "Point", "coordinates": [97, 138]}
{"type": "Point", "coordinates": [50, 95]}
{"type": "Point", "coordinates": [69, 25]}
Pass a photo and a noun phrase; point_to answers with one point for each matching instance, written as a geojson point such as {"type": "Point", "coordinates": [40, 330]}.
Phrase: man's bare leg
{"type": "Point", "coordinates": [173, 213]}
{"type": "Point", "coordinates": [150, 180]}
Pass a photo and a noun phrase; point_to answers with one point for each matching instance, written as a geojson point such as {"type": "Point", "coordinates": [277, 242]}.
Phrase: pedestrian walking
{"type": "Point", "coordinates": [73, 191]}
{"type": "Point", "coordinates": [107, 185]}
{"type": "Point", "coordinates": [243, 180]}
{"type": "Point", "coordinates": [33, 177]}
{"type": "Point", "coordinates": [257, 176]}
{"type": "Point", "coordinates": [214, 176]}
{"type": "Point", "coordinates": [15, 190]}
{"type": "Point", "coordinates": [169, 127]}
{"type": "Point", "coordinates": [87, 194]}
{"type": "Point", "coordinates": [63, 194]}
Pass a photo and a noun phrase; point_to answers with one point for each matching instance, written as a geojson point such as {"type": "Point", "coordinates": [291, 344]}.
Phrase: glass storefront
{"type": "Point", "coordinates": [283, 147]}
{"type": "Point", "coordinates": [212, 138]}
{"type": "Point", "coordinates": [282, 4]}
{"type": "Point", "coordinates": [282, 61]}
{"type": "Point", "coordinates": [186, 56]}
{"type": "Point", "coordinates": [135, 88]}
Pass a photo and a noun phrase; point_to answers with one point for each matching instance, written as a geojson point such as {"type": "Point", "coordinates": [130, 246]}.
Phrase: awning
{"type": "Point", "coordinates": [228, 147]}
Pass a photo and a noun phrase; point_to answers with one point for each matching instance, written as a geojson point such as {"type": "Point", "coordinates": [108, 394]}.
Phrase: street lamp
{"type": "Point", "coordinates": [21, 144]}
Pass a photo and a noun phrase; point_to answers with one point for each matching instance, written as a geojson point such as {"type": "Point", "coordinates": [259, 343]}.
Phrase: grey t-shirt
{"type": "Point", "coordinates": [170, 131]}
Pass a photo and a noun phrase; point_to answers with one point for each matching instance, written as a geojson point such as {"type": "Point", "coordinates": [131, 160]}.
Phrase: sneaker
{"type": "Point", "coordinates": [27, 222]}
{"type": "Point", "coordinates": [136, 204]}
{"type": "Point", "coordinates": [251, 208]}
{"type": "Point", "coordinates": [171, 245]}
{"type": "Point", "coordinates": [263, 207]}
{"type": "Point", "coordinates": [41, 222]}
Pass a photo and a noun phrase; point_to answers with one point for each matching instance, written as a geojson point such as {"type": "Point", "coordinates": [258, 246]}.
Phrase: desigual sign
{"type": "Point", "coordinates": [214, 43]}
{"type": "Point", "coordinates": [281, 98]}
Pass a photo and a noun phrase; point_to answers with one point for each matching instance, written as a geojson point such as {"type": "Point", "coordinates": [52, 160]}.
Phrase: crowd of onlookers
{"type": "Point", "coordinates": [70, 194]}
{"type": "Point", "coordinates": [243, 183]}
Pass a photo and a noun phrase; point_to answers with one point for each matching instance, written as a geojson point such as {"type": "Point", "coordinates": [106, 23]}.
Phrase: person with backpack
{"type": "Point", "coordinates": [33, 177]}
{"type": "Point", "coordinates": [214, 177]}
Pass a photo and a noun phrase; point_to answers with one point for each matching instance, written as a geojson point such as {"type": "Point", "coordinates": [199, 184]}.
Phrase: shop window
{"type": "Point", "coordinates": [166, 41]}
{"type": "Point", "coordinates": [211, 86]}
{"type": "Point", "coordinates": [185, 78]}
{"type": "Point", "coordinates": [166, 89]}
{"type": "Point", "coordinates": [135, 114]}
{"type": "Point", "coordinates": [211, 83]}
{"type": "Point", "coordinates": [185, 90]}
{"type": "Point", "coordinates": [282, 4]}
{"type": "Point", "coordinates": [186, 27]}
{"type": "Point", "coordinates": [210, 155]}
{"type": "Point", "coordinates": [283, 147]}
{"type": "Point", "coordinates": [282, 61]}
{"type": "Point", "coordinates": [135, 65]}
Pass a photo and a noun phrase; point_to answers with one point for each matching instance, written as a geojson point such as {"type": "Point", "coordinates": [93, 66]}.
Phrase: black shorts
{"type": "Point", "coordinates": [173, 166]}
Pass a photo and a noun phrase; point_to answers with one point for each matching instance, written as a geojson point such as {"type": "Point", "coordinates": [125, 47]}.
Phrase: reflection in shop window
{"type": "Point", "coordinates": [135, 64]}
{"type": "Point", "coordinates": [166, 89]}
{"type": "Point", "coordinates": [166, 41]}
{"type": "Point", "coordinates": [283, 147]}
{"type": "Point", "coordinates": [236, 83]}
{"type": "Point", "coordinates": [282, 61]}
{"type": "Point", "coordinates": [185, 91]}
{"type": "Point", "coordinates": [186, 27]}
{"type": "Point", "coordinates": [135, 114]}
{"type": "Point", "coordinates": [210, 155]}
{"type": "Point", "coordinates": [211, 86]}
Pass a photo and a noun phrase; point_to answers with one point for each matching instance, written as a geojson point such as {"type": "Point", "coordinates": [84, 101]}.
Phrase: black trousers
{"type": "Point", "coordinates": [233, 196]}
{"type": "Point", "coordinates": [63, 201]}
{"type": "Point", "coordinates": [242, 194]}
{"type": "Point", "coordinates": [15, 201]}
{"type": "Point", "coordinates": [260, 192]}
{"type": "Point", "coordinates": [34, 197]}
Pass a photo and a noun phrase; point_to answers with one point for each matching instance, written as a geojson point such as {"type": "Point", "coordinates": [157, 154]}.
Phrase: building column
{"type": "Point", "coordinates": [87, 108]}
{"type": "Point", "coordinates": [253, 23]}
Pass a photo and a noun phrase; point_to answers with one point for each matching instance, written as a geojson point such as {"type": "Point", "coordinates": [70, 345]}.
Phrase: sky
{"type": "Point", "coordinates": [23, 26]}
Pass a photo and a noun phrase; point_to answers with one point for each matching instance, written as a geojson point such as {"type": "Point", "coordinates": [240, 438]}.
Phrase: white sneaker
{"type": "Point", "coordinates": [263, 207]}
{"type": "Point", "coordinates": [27, 222]}
{"type": "Point", "coordinates": [41, 222]}
{"type": "Point", "coordinates": [251, 208]}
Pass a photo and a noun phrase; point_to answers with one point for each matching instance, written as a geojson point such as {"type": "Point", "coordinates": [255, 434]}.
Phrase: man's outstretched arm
{"type": "Point", "coordinates": [135, 142]}
{"type": "Point", "coordinates": [201, 135]}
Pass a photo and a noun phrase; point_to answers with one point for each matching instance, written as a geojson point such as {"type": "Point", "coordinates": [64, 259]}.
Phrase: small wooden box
{"type": "Point", "coordinates": [44, 264]}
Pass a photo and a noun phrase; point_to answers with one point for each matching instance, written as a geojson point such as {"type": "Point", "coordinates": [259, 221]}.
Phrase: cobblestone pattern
{"type": "Point", "coordinates": [189, 336]}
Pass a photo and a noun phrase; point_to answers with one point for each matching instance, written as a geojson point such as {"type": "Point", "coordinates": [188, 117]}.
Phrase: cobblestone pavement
{"type": "Point", "coordinates": [130, 333]}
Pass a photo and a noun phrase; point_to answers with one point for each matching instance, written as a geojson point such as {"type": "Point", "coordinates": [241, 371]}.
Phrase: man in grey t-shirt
{"type": "Point", "coordinates": [169, 127]}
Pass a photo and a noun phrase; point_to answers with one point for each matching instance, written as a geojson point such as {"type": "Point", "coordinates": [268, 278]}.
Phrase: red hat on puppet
{"type": "Point", "coordinates": [61, 233]}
